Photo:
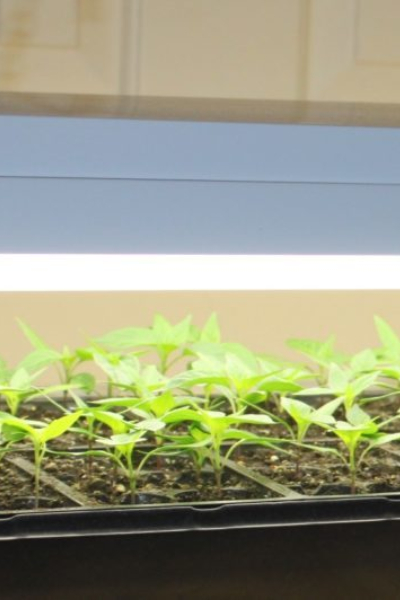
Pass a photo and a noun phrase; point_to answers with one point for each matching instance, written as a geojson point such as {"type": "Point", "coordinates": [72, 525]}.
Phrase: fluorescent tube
{"type": "Point", "coordinates": [89, 272]}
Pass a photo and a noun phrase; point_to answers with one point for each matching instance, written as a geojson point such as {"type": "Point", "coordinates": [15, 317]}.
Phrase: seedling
{"type": "Point", "coordinates": [388, 356]}
{"type": "Point", "coordinates": [209, 430]}
{"type": "Point", "coordinates": [5, 372]}
{"type": "Point", "coordinates": [233, 372]}
{"type": "Point", "coordinates": [149, 407]}
{"type": "Point", "coordinates": [222, 400]}
{"type": "Point", "coordinates": [343, 384]}
{"type": "Point", "coordinates": [19, 388]}
{"type": "Point", "coordinates": [168, 341]}
{"type": "Point", "coordinates": [14, 429]}
{"type": "Point", "coordinates": [390, 341]}
{"type": "Point", "coordinates": [322, 353]}
{"type": "Point", "coordinates": [305, 415]}
{"type": "Point", "coordinates": [122, 448]}
{"type": "Point", "coordinates": [357, 430]}
{"type": "Point", "coordinates": [209, 334]}
{"type": "Point", "coordinates": [94, 416]}
{"type": "Point", "coordinates": [127, 373]}
{"type": "Point", "coordinates": [66, 361]}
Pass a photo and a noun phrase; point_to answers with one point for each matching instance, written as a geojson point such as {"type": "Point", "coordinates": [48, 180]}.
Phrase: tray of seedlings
{"type": "Point", "coordinates": [168, 428]}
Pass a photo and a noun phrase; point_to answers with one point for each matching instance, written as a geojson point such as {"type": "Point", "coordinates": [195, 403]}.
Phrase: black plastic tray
{"type": "Point", "coordinates": [247, 552]}
{"type": "Point", "coordinates": [198, 517]}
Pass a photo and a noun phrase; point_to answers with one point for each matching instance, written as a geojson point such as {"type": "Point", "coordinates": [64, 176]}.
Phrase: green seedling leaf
{"type": "Point", "coordinates": [119, 402]}
{"type": "Point", "coordinates": [37, 342]}
{"type": "Point", "coordinates": [276, 384]}
{"type": "Point", "coordinates": [361, 384]}
{"type": "Point", "coordinates": [151, 378]}
{"type": "Point", "coordinates": [305, 415]}
{"type": "Point", "coordinates": [229, 370]}
{"type": "Point", "coordinates": [163, 337]}
{"type": "Point", "coordinates": [388, 337]}
{"type": "Point", "coordinates": [194, 378]}
{"type": "Point", "coordinates": [84, 354]}
{"type": "Point", "coordinates": [352, 432]}
{"type": "Point", "coordinates": [122, 370]}
{"type": "Point", "coordinates": [359, 418]}
{"type": "Point", "coordinates": [187, 414]}
{"type": "Point", "coordinates": [338, 379]}
{"type": "Point", "coordinates": [237, 369]}
{"type": "Point", "coordinates": [122, 447]}
{"type": "Point", "coordinates": [22, 380]}
{"type": "Point", "coordinates": [322, 353]}
{"type": "Point", "coordinates": [315, 391]}
{"type": "Point", "coordinates": [11, 433]}
{"type": "Point", "coordinates": [135, 435]}
{"type": "Point", "coordinates": [84, 381]}
{"type": "Point", "coordinates": [328, 408]}
{"type": "Point", "coordinates": [39, 434]}
{"type": "Point", "coordinates": [211, 332]}
{"type": "Point", "coordinates": [246, 357]}
{"type": "Point", "coordinates": [114, 421]}
{"type": "Point", "coordinates": [38, 359]}
{"type": "Point", "coordinates": [59, 426]}
{"type": "Point", "coordinates": [150, 425]}
{"type": "Point", "coordinates": [251, 419]}
{"type": "Point", "coordinates": [44, 356]}
{"type": "Point", "coordinates": [363, 361]}
{"type": "Point", "coordinates": [126, 338]}
{"type": "Point", "coordinates": [123, 439]}
{"type": "Point", "coordinates": [47, 391]}
{"type": "Point", "coordinates": [163, 404]}
{"type": "Point", "coordinates": [216, 355]}
{"type": "Point", "coordinates": [169, 335]}
{"type": "Point", "coordinates": [392, 372]}
{"type": "Point", "coordinates": [382, 439]}
{"type": "Point", "coordinates": [341, 384]}
{"type": "Point", "coordinates": [5, 372]}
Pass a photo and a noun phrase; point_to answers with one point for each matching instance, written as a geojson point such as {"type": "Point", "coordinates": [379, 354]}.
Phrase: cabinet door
{"type": "Point", "coordinates": [354, 50]}
{"type": "Point", "coordinates": [221, 48]}
{"type": "Point", "coordinates": [61, 46]}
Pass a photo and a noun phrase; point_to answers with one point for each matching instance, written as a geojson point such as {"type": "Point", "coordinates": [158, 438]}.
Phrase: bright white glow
{"type": "Point", "coordinates": [73, 272]}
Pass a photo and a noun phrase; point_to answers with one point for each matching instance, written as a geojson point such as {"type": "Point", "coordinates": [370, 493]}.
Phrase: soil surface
{"type": "Point", "coordinates": [73, 480]}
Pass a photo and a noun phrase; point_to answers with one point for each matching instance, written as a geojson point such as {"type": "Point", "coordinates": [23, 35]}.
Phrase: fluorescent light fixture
{"type": "Point", "coordinates": [100, 272]}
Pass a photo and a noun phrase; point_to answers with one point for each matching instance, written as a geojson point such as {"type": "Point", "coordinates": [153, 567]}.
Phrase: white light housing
{"type": "Point", "coordinates": [89, 272]}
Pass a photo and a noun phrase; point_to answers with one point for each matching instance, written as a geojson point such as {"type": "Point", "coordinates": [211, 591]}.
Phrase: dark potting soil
{"type": "Point", "coordinates": [322, 475]}
{"type": "Point", "coordinates": [103, 486]}
{"type": "Point", "coordinates": [100, 485]}
{"type": "Point", "coordinates": [76, 481]}
{"type": "Point", "coordinates": [17, 491]}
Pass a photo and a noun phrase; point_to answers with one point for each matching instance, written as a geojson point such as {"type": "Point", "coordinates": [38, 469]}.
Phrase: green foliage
{"type": "Point", "coordinates": [305, 415]}
{"type": "Point", "coordinates": [389, 339]}
{"type": "Point", "coordinates": [127, 373]}
{"type": "Point", "coordinates": [234, 372]}
{"type": "Point", "coordinates": [388, 355]}
{"type": "Point", "coordinates": [210, 429]}
{"type": "Point", "coordinates": [121, 448]}
{"type": "Point", "coordinates": [222, 397]}
{"type": "Point", "coordinates": [162, 337]}
{"type": "Point", "coordinates": [344, 384]}
{"type": "Point", "coordinates": [321, 353]}
{"type": "Point", "coordinates": [363, 362]}
{"type": "Point", "coordinates": [360, 429]}
{"type": "Point", "coordinates": [43, 356]}
{"type": "Point", "coordinates": [20, 388]}
{"type": "Point", "coordinates": [14, 429]}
